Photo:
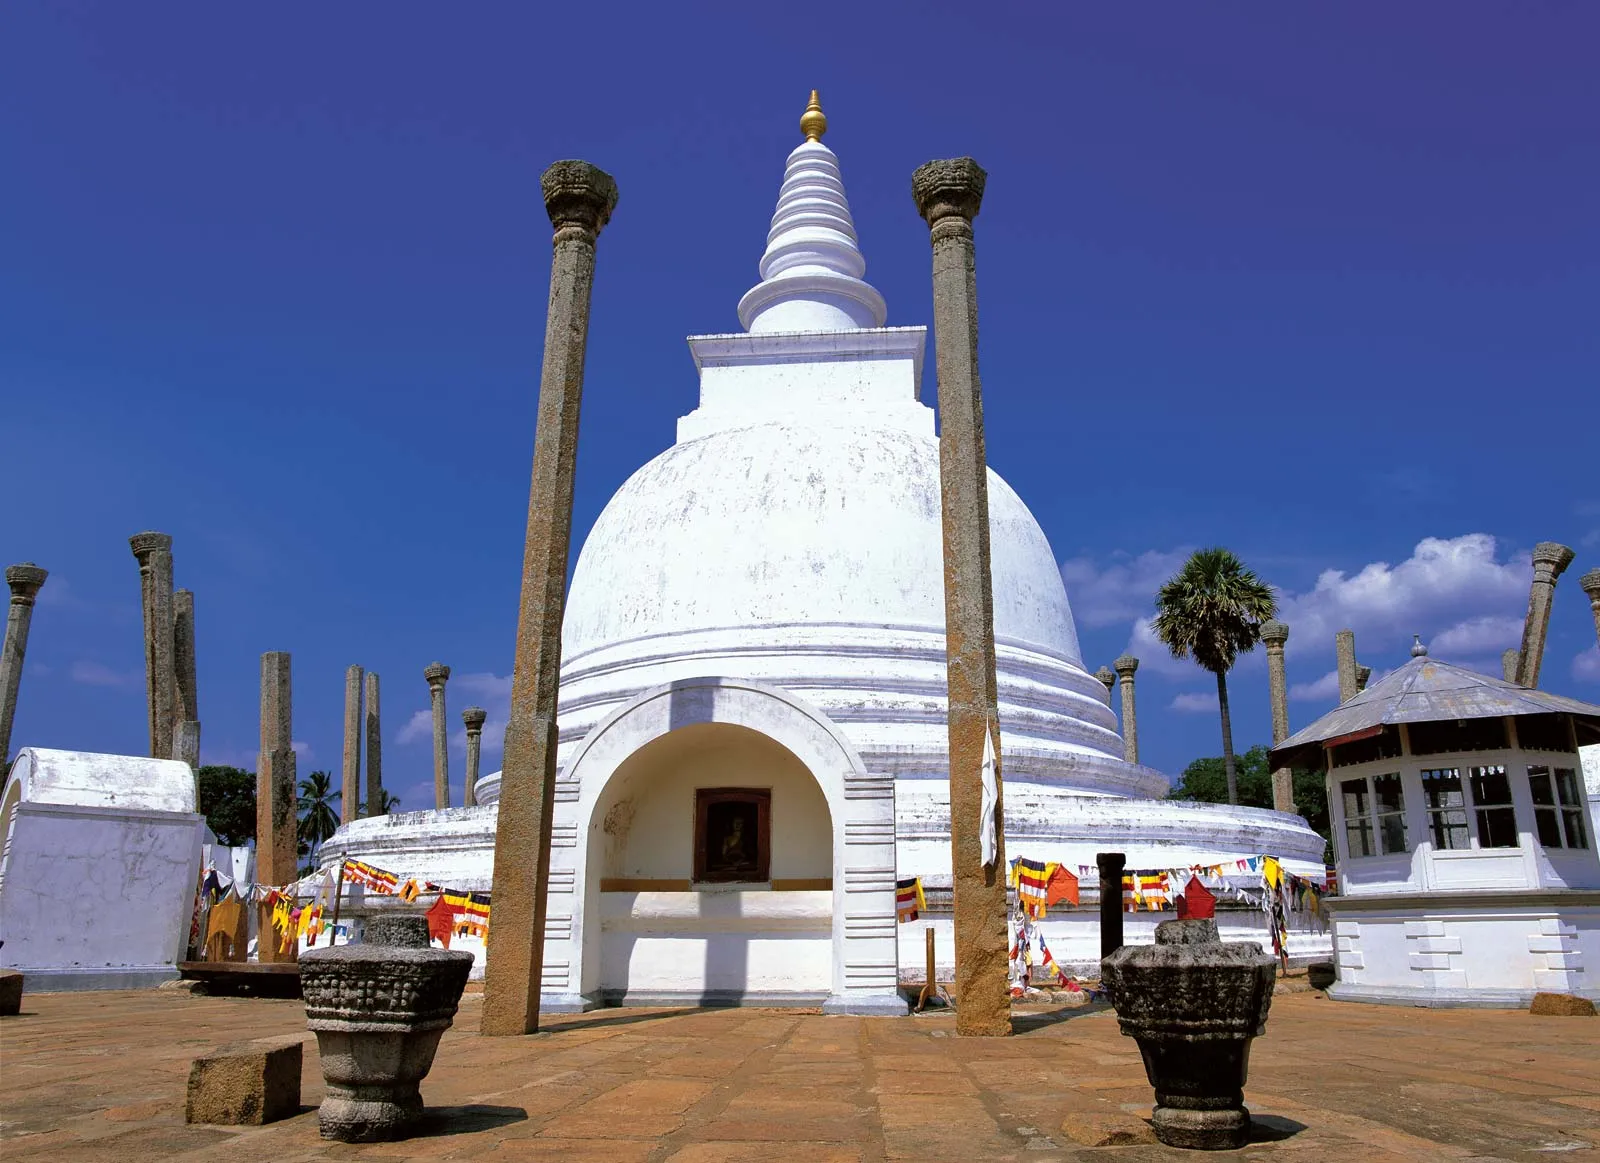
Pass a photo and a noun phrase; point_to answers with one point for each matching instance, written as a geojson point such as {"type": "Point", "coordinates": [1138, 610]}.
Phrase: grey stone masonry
{"type": "Point", "coordinates": [1363, 676]}
{"type": "Point", "coordinates": [154, 553]}
{"type": "Point", "coordinates": [374, 735]}
{"type": "Point", "coordinates": [437, 674]}
{"type": "Point", "coordinates": [24, 580]}
{"type": "Point", "coordinates": [350, 782]}
{"type": "Point", "coordinates": [1108, 679]}
{"type": "Point", "coordinates": [1125, 666]}
{"type": "Point", "coordinates": [1344, 646]}
{"type": "Point", "coordinates": [948, 194]}
{"type": "Point", "coordinates": [1550, 560]}
{"type": "Point", "coordinates": [1591, 586]}
{"type": "Point", "coordinates": [474, 718]}
{"type": "Point", "coordinates": [1508, 664]}
{"type": "Point", "coordinates": [579, 199]}
{"type": "Point", "coordinates": [275, 789]}
{"type": "Point", "coordinates": [1275, 635]}
{"type": "Point", "coordinates": [186, 680]}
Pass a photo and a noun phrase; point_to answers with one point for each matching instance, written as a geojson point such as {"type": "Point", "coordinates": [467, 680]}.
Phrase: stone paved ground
{"type": "Point", "coordinates": [101, 1077]}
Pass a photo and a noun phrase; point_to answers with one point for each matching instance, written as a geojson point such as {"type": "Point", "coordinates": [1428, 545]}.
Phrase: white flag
{"type": "Point", "coordinates": [991, 798]}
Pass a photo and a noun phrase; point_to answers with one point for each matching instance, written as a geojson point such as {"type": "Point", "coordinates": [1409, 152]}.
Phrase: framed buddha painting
{"type": "Point", "coordinates": [732, 835]}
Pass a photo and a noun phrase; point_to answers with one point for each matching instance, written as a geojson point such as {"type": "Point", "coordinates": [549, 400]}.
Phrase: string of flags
{"type": "Point", "coordinates": [908, 899]}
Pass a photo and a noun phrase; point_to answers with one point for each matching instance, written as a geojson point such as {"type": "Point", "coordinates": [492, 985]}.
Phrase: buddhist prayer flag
{"type": "Point", "coordinates": [374, 878]}
{"type": "Point", "coordinates": [1149, 890]}
{"type": "Point", "coordinates": [908, 899]}
{"type": "Point", "coordinates": [1031, 879]}
{"type": "Point", "coordinates": [1196, 902]}
{"type": "Point", "coordinates": [1060, 885]}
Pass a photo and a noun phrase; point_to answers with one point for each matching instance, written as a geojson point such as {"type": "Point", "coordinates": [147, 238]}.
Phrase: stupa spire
{"type": "Point", "coordinates": [811, 270]}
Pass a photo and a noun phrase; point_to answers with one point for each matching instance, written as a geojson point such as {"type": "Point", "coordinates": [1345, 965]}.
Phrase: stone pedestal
{"type": "Point", "coordinates": [379, 1009]}
{"type": "Point", "coordinates": [1550, 560]}
{"type": "Point", "coordinates": [1193, 1005]}
{"type": "Point", "coordinates": [579, 199]}
{"type": "Point", "coordinates": [24, 580]}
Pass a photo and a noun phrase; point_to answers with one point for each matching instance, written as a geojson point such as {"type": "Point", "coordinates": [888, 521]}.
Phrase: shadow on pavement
{"type": "Point", "coordinates": [463, 1120]}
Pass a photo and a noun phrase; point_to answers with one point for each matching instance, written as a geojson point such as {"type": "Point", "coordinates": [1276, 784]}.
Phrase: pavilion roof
{"type": "Point", "coordinates": [1428, 690]}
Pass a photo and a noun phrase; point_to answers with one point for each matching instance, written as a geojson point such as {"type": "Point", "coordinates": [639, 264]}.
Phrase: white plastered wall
{"type": "Point", "coordinates": [862, 970]}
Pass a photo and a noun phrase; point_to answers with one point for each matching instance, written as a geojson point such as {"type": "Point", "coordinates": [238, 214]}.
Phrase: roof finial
{"type": "Point", "coordinates": [812, 122]}
{"type": "Point", "coordinates": [1418, 650]}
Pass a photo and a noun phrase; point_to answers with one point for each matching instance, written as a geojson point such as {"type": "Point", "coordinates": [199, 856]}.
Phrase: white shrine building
{"type": "Point", "coordinates": [752, 712]}
{"type": "Point", "coordinates": [1467, 861]}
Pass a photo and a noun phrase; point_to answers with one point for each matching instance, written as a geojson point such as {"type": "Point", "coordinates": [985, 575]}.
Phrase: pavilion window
{"type": "Point", "coordinates": [1446, 803]}
{"type": "Point", "coordinates": [1558, 807]}
{"type": "Point", "coordinates": [1384, 745]}
{"type": "Point", "coordinates": [1544, 733]}
{"type": "Point", "coordinates": [1358, 836]}
{"type": "Point", "coordinates": [1390, 800]}
{"type": "Point", "coordinates": [1491, 798]}
{"type": "Point", "coordinates": [1455, 735]}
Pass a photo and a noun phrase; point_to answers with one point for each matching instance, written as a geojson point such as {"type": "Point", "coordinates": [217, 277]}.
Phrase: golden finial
{"type": "Point", "coordinates": [812, 122]}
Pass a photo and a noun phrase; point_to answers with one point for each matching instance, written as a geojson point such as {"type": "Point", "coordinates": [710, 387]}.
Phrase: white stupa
{"type": "Point", "coordinates": [758, 614]}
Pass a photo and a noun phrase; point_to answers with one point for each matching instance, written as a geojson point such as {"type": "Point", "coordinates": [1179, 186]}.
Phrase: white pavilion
{"type": "Point", "coordinates": [752, 708]}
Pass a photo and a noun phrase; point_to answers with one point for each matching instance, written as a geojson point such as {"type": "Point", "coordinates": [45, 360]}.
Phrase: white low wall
{"type": "Point", "coordinates": [1467, 949]}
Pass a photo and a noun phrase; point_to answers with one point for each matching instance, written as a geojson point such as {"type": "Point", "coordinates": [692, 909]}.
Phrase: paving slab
{"type": "Point", "coordinates": [91, 1077]}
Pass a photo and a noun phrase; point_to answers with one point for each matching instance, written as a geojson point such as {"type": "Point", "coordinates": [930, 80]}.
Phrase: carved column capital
{"type": "Point", "coordinates": [474, 718]}
{"type": "Point", "coordinates": [437, 674]}
{"type": "Point", "coordinates": [25, 578]}
{"type": "Point", "coordinates": [1274, 634]}
{"type": "Point", "coordinates": [1550, 560]}
{"type": "Point", "coordinates": [951, 187]}
{"type": "Point", "coordinates": [578, 196]}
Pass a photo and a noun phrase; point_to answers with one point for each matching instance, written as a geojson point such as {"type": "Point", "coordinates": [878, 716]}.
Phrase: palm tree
{"type": "Point", "coordinates": [318, 820]}
{"type": "Point", "coordinates": [1212, 609]}
{"type": "Point", "coordinates": [386, 804]}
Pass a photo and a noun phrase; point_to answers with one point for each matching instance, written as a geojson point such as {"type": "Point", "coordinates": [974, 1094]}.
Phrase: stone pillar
{"type": "Point", "coordinates": [437, 674]}
{"type": "Point", "coordinates": [474, 718]}
{"type": "Point", "coordinates": [948, 194]}
{"type": "Point", "coordinates": [276, 857]}
{"type": "Point", "coordinates": [1363, 676]}
{"type": "Point", "coordinates": [154, 551]}
{"type": "Point", "coordinates": [1591, 586]}
{"type": "Point", "coordinates": [1344, 646]}
{"type": "Point", "coordinates": [24, 580]}
{"type": "Point", "coordinates": [1111, 865]}
{"type": "Point", "coordinates": [350, 785]}
{"type": "Point", "coordinates": [1508, 664]}
{"type": "Point", "coordinates": [1108, 679]}
{"type": "Point", "coordinates": [1126, 665]}
{"type": "Point", "coordinates": [1550, 559]}
{"type": "Point", "coordinates": [1275, 635]}
{"type": "Point", "coordinates": [186, 695]}
{"type": "Point", "coordinates": [374, 748]}
{"type": "Point", "coordinates": [579, 199]}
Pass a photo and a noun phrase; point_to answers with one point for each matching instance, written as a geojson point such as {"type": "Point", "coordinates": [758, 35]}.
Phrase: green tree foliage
{"type": "Point", "coordinates": [228, 802]}
{"type": "Point", "coordinates": [1206, 780]}
{"type": "Point", "coordinates": [318, 820]}
{"type": "Point", "coordinates": [386, 804]}
{"type": "Point", "coordinates": [1211, 610]}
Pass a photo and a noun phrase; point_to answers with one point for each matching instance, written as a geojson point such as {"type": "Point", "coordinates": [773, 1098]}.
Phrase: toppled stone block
{"type": "Point", "coordinates": [1106, 1130]}
{"type": "Point", "coordinates": [183, 985]}
{"type": "Point", "coordinates": [10, 992]}
{"type": "Point", "coordinates": [246, 1083]}
{"type": "Point", "coordinates": [1561, 1005]}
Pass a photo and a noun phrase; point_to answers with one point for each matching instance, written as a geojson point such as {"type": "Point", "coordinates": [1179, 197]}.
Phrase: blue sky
{"type": "Point", "coordinates": [1318, 285]}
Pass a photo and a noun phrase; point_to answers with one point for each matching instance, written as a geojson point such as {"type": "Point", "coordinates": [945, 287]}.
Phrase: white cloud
{"type": "Point", "coordinates": [1318, 691]}
{"type": "Point", "coordinates": [1475, 636]}
{"type": "Point", "coordinates": [1122, 590]}
{"type": "Point", "coordinates": [302, 750]}
{"type": "Point", "coordinates": [419, 726]}
{"type": "Point", "coordinates": [98, 674]}
{"type": "Point", "coordinates": [1586, 666]}
{"type": "Point", "coordinates": [1194, 702]}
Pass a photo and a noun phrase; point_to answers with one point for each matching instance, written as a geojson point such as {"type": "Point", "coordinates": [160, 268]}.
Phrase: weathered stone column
{"type": "Point", "coordinates": [1363, 676]}
{"type": "Point", "coordinates": [1550, 560]}
{"type": "Point", "coordinates": [350, 784]}
{"type": "Point", "coordinates": [24, 580]}
{"type": "Point", "coordinates": [276, 858]}
{"type": "Point", "coordinates": [1591, 586]}
{"type": "Point", "coordinates": [437, 674]}
{"type": "Point", "coordinates": [1126, 665]}
{"type": "Point", "coordinates": [948, 194]}
{"type": "Point", "coordinates": [1108, 679]}
{"type": "Point", "coordinates": [154, 551]}
{"type": "Point", "coordinates": [1275, 635]}
{"type": "Point", "coordinates": [374, 748]}
{"type": "Point", "coordinates": [186, 695]}
{"type": "Point", "coordinates": [474, 718]}
{"type": "Point", "coordinates": [1110, 865]}
{"type": "Point", "coordinates": [1344, 647]}
{"type": "Point", "coordinates": [1508, 664]}
{"type": "Point", "coordinates": [579, 199]}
